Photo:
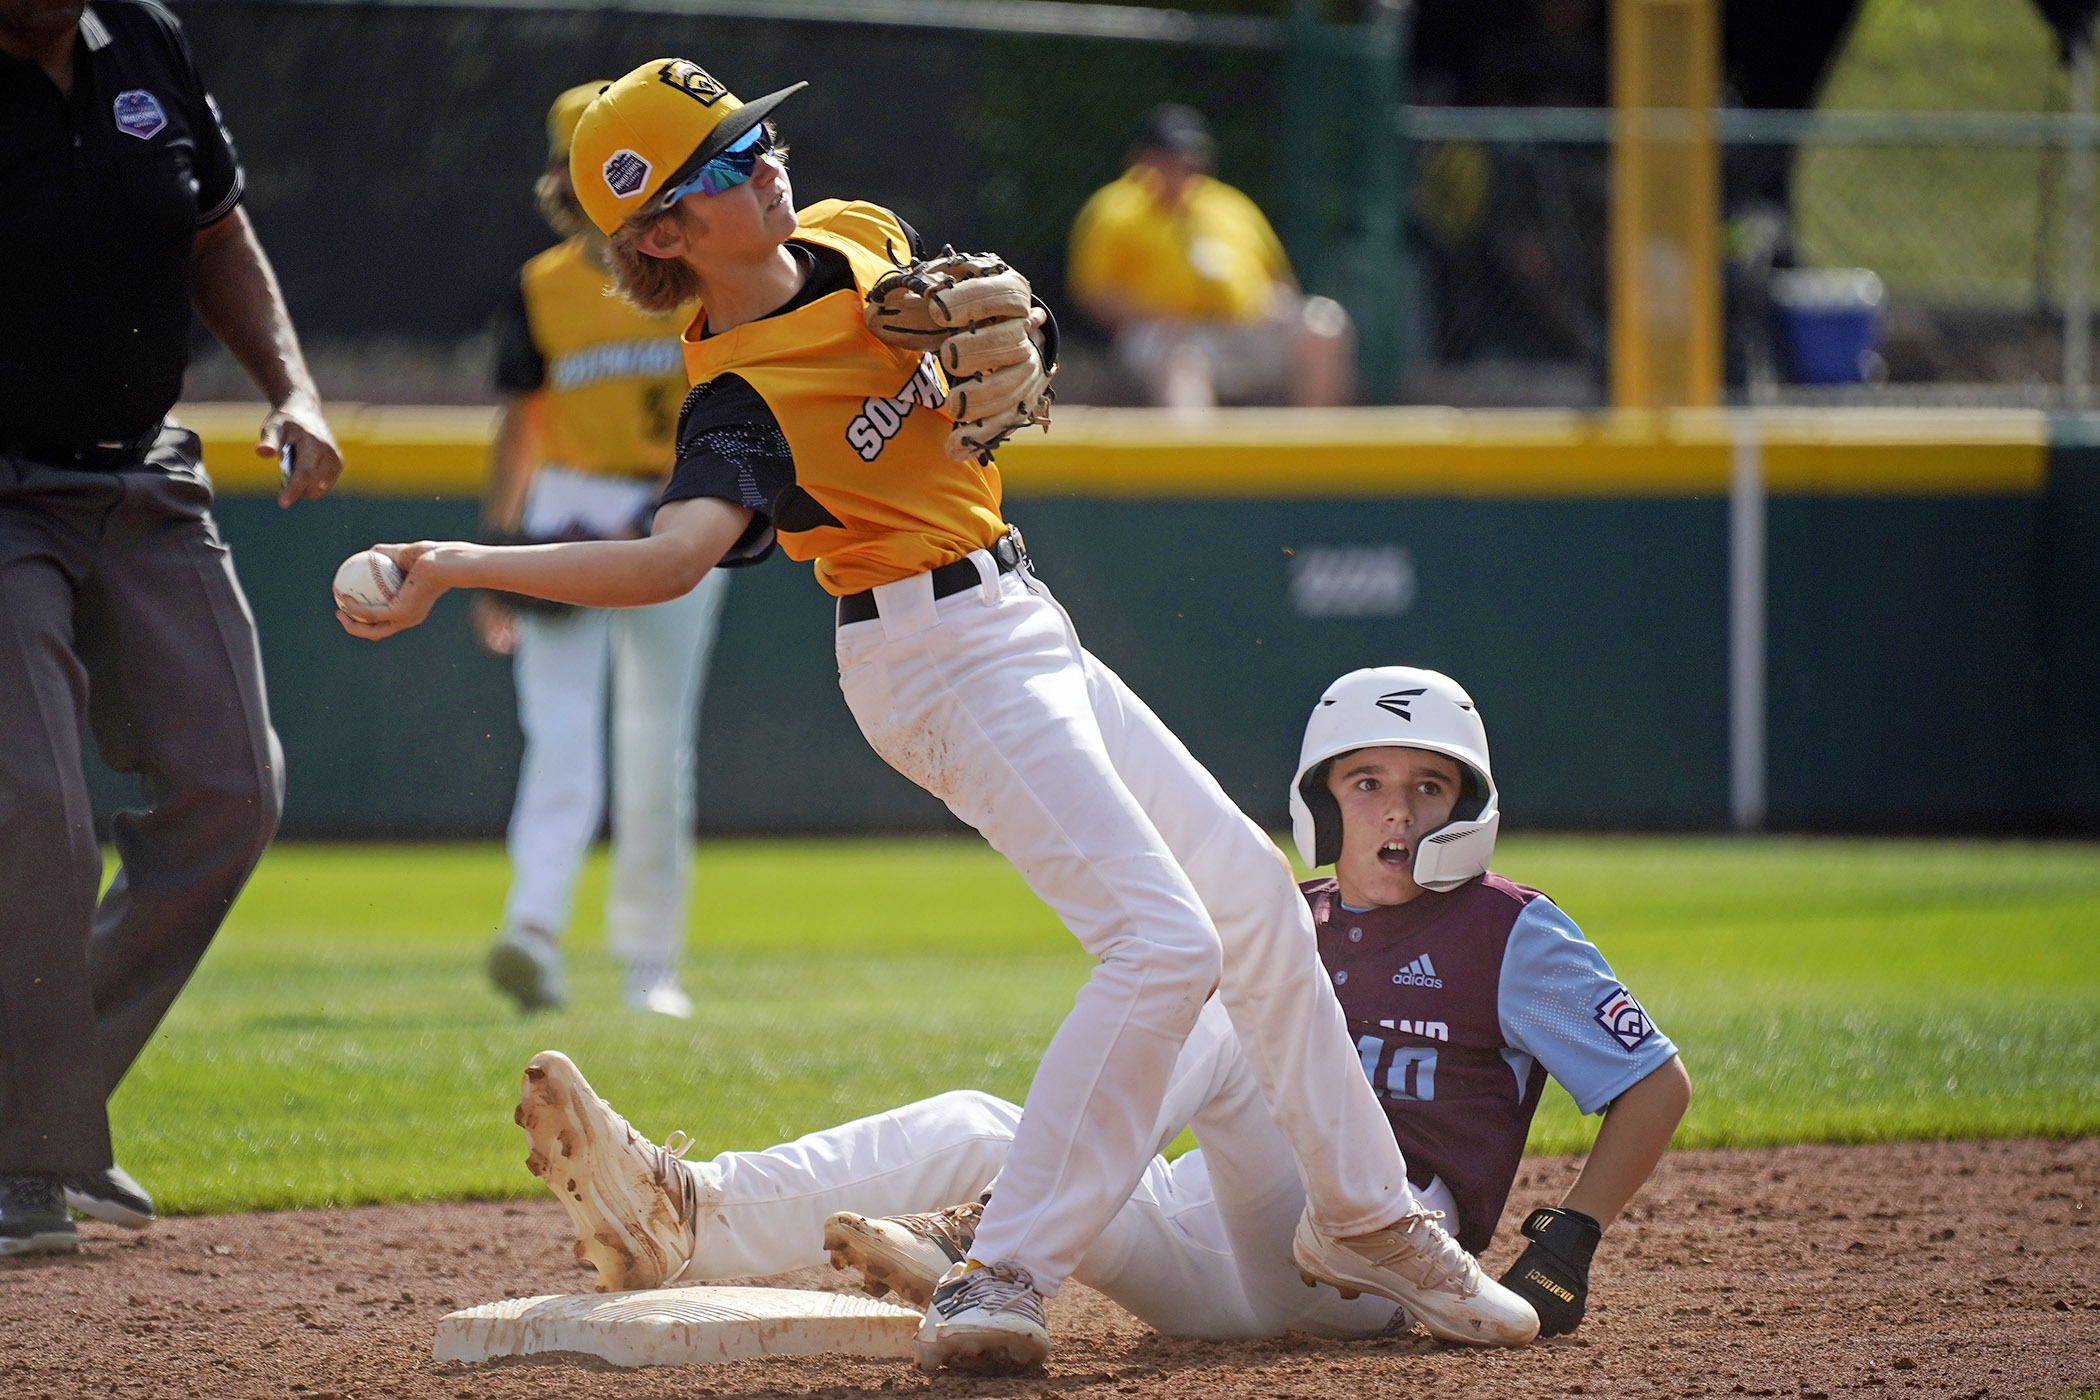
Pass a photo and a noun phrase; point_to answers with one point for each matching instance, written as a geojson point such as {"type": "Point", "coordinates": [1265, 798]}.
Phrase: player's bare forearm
{"type": "Point", "coordinates": [1635, 1133]}
{"type": "Point", "coordinates": [510, 466]}
{"type": "Point", "coordinates": [236, 293]}
{"type": "Point", "coordinates": [689, 537]}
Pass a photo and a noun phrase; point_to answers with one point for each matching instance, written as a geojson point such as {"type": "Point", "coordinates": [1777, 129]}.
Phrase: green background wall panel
{"type": "Point", "coordinates": [1904, 661]}
{"type": "Point", "coordinates": [1550, 612]}
{"type": "Point", "coordinates": [1593, 631]}
{"type": "Point", "coordinates": [2070, 621]}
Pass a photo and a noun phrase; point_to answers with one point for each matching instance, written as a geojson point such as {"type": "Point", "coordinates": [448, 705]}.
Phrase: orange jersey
{"type": "Point", "coordinates": [865, 422]}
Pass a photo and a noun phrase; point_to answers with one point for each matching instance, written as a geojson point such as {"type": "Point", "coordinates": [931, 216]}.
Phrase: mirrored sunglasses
{"type": "Point", "coordinates": [736, 164]}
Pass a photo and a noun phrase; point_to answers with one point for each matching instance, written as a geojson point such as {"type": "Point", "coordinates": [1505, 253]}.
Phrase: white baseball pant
{"type": "Point", "coordinates": [987, 700]}
{"type": "Point", "coordinates": [656, 660]}
{"type": "Point", "coordinates": [1201, 1249]}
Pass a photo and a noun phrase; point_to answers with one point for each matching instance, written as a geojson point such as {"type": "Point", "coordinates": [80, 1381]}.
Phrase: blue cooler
{"type": "Point", "coordinates": [1828, 321]}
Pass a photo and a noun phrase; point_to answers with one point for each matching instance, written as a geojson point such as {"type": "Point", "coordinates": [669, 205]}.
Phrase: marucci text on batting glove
{"type": "Point", "coordinates": [1553, 1275]}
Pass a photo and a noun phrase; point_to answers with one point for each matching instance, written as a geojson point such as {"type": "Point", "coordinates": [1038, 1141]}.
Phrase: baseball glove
{"type": "Point", "coordinates": [973, 312]}
{"type": "Point", "coordinates": [1553, 1275]}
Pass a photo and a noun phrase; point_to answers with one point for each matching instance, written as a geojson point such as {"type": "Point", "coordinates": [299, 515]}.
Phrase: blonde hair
{"type": "Point", "coordinates": [649, 283]}
{"type": "Point", "coordinates": [557, 202]}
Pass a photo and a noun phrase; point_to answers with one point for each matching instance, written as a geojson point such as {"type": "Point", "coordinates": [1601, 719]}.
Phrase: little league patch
{"type": "Point", "coordinates": [1623, 1017]}
{"type": "Point", "coordinates": [625, 172]}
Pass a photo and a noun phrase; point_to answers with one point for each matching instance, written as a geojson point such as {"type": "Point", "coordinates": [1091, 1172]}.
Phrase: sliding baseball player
{"type": "Point", "coordinates": [1464, 992]}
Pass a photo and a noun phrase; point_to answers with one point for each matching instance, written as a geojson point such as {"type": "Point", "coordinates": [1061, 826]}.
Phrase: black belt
{"type": "Point", "coordinates": [949, 579]}
{"type": "Point", "coordinates": [94, 456]}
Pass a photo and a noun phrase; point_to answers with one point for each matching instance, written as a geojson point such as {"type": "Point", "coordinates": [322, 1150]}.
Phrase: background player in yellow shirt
{"type": "Point", "coordinates": [592, 388]}
{"type": "Point", "coordinates": [807, 429]}
{"type": "Point", "coordinates": [1192, 282]}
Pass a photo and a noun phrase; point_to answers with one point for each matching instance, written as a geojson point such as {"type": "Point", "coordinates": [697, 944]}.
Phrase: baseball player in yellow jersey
{"type": "Point", "coordinates": [592, 390]}
{"type": "Point", "coordinates": [807, 429]}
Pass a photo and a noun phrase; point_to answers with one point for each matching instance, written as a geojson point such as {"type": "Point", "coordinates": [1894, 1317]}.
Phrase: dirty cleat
{"type": "Point", "coordinates": [1416, 1264]}
{"type": "Point", "coordinates": [33, 1217]}
{"type": "Point", "coordinates": [984, 1317]}
{"type": "Point", "coordinates": [907, 1253]}
{"type": "Point", "coordinates": [633, 1203]}
{"type": "Point", "coordinates": [110, 1195]}
{"type": "Point", "coordinates": [525, 965]}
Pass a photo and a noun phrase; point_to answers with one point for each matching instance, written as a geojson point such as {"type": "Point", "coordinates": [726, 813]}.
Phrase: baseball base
{"type": "Point", "coordinates": [679, 1326]}
{"type": "Point", "coordinates": [368, 579]}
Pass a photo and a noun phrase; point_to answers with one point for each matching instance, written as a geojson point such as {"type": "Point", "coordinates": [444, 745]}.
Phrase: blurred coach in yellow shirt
{"type": "Point", "coordinates": [1187, 275]}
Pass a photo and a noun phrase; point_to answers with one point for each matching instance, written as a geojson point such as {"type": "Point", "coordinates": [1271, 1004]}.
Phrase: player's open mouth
{"type": "Point", "coordinates": [1393, 853]}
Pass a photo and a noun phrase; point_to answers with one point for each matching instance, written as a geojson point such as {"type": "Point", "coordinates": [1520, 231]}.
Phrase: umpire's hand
{"type": "Point", "coordinates": [315, 460]}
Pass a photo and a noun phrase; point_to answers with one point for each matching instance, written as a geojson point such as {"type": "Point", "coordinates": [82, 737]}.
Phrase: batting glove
{"type": "Point", "coordinates": [1553, 1275]}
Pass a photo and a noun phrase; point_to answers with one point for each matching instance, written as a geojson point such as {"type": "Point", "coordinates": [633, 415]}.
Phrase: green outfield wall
{"type": "Point", "coordinates": [1933, 641]}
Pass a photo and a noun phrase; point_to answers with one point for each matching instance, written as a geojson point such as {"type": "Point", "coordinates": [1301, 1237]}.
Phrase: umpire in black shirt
{"type": "Point", "coordinates": [119, 209]}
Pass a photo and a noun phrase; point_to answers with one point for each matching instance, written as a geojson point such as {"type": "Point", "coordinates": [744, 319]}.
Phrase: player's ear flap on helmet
{"type": "Point", "coordinates": [1326, 814]}
{"type": "Point", "coordinates": [1472, 794]}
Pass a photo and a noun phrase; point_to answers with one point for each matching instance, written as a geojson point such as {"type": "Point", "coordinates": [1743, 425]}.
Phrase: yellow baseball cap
{"type": "Point", "coordinates": [561, 117]}
{"type": "Point", "coordinates": [652, 129]}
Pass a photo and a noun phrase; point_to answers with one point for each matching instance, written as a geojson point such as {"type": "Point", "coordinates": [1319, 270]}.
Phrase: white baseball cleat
{"type": "Point", "coordinates": [657, 992]}
{"type": "Point", "coordinates": [905, 1253]}
{"type": "Point", "coordinates": [633, 1203]}
{"type": "Point", "coordinates": [1418, 1265]}
{"type": "Point", "coordinates": [984, 1317]}
{"type": "Point", "coordinates": [525, 965]}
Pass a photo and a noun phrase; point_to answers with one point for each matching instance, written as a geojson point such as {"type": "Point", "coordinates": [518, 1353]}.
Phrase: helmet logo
{"type": "Point", "coordinates": [1395, 702]}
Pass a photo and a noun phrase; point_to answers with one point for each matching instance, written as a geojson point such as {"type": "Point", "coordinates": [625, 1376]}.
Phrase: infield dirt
{"type": "Point", "coordinates": [1930, 1269]}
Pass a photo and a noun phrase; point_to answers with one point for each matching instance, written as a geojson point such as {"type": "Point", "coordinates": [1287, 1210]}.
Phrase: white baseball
{"type": "Point", "coordinates": [368, 579]}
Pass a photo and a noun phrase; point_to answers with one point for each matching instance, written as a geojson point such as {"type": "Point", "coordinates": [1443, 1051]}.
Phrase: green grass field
{"type": "Point", "coordinates": [339, 1043]}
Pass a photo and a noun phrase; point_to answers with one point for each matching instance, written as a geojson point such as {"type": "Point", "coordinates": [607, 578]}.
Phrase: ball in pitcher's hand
{"type": "Point", "coordinates": [368, 579]}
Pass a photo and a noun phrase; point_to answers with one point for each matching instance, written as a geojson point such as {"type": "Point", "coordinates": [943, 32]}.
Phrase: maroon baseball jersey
{"type": "Point", "coordinates": [1461, 1004]}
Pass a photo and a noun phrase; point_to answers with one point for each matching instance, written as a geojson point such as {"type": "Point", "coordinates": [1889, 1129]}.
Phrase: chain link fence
{"type": "Point", "coordinates": [1967, 222]}
{"type": "Point", "coordinates": [391, 148]}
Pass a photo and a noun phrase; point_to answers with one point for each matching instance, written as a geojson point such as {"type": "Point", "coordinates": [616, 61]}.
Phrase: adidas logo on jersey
{"type": "Point", "coordinates": [1419, 973]}
{"type": "Point", "coordinates": [1428, 1030]}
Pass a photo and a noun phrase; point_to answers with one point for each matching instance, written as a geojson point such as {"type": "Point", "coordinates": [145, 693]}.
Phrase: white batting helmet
{"type": "Point", "coordinates": [1384, 706]}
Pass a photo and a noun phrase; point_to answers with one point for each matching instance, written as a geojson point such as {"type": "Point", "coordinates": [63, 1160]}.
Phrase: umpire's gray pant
{"type": "Point", "coordinates": [118, 610]}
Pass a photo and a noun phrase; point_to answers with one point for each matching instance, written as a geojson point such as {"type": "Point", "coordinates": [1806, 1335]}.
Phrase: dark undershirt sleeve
{"type": "Point", "coordinates": [730, 447]}
{"type": "Point", "coordinates": [520, 368]}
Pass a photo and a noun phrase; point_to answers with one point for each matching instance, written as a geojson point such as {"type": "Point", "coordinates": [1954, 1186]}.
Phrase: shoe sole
{"type": "Point", "coordinates": [853, 1245]}
{"type": "Point", "coordinates": [1420, 1303]}
{"type": "Point", "coordinates": [107, 1211]}
{"type": "Point", "coordinates": [518, 976]}
{"type": "Point", "coordinates": [984, 1351]}
{"type": "Point", "coordinates": [567, 1133]}
{"type": "Point", "coordinates": [66, 1241]}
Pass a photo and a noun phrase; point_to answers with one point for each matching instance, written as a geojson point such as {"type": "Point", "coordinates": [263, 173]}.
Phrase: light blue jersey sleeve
{"type": "Point", "coordinates": [1560, 1004]}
